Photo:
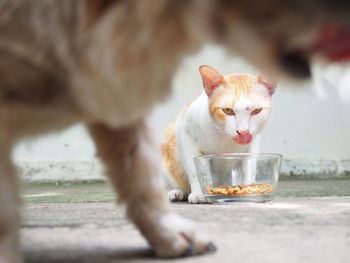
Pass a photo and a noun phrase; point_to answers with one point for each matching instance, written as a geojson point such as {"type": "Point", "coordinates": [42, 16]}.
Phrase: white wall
{"type": "Point", "coordinates": [301, 125]}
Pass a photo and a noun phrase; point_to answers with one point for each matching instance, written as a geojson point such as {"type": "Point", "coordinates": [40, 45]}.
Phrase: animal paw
{"type": "Point", "coordinates": [197, 198]}
{"type": "Point", "coordinates": [178, 237]}
{"type": "Point", "coordinates": [176, 195]}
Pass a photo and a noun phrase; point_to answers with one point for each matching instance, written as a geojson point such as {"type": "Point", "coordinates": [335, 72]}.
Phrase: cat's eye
{"type": "Point", "coordinates": [256, 111]}
{"type": "Point", "coordinates": [228, 111]}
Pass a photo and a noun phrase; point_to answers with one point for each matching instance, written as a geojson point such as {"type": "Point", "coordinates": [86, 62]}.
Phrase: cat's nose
{"type": "Point", "coordinates": [245, 132]}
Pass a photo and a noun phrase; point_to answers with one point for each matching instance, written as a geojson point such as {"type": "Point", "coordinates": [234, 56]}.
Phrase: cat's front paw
{"type": "Point", "coordinates": [176, 195]}
{"type": "Point", "coordinates": [179, 237]}
{"type": "Point", "coordinates": [197, 198]}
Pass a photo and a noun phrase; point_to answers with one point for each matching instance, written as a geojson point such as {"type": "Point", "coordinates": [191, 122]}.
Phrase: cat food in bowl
{"type": "Point", "coordinates": [238, 176]}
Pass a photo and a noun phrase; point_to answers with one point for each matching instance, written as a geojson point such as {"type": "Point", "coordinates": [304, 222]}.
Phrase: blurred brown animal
{"type": "Point", "coordinates": [107, 62]}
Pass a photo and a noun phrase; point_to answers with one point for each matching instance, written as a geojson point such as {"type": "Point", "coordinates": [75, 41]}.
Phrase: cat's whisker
{"type": "Point", "coordinates": [219, 131]}
{"type": "Point", "coordinates": [223, 133]}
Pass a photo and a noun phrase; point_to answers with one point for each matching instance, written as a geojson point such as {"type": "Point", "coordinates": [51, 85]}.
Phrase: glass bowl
{"type": "Point", "coordinates": [235, 177]}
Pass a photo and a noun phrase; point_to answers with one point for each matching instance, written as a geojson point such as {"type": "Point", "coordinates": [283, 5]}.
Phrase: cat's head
{"type": "Point", "coordinates": [239, 104]}
{"type": "Point", "coordinates": [283, 37]}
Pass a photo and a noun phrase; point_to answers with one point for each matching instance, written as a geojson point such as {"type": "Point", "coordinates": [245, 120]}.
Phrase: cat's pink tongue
{"type": "Point", "coordinates": [243, 138]}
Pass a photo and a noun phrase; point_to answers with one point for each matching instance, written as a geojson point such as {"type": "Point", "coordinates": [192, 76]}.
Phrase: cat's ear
{"type": "Point", "coordinates": [211, 79]}
{"type": "Point", "coordinates": [268, 83]}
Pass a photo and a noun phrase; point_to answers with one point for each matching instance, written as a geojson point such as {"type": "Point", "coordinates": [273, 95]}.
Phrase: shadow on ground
{"type": "Point", "coordinates": [89, 255]}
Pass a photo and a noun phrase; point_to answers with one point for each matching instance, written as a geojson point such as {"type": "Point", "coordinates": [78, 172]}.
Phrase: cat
{"type": "Point", "coordinates": [106, 63]}
{"type": "Point", "coordinates": [227, 117]}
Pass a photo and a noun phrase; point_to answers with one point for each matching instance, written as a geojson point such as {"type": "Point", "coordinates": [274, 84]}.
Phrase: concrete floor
{"type": "Point", "coordinates": [308, 222]}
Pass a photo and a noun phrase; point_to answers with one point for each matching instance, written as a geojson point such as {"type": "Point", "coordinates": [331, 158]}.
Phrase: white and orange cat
{"type": "Point", "coordinates": [226, 118]}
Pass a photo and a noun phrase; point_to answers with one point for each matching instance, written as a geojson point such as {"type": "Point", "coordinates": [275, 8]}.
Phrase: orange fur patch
{"type": "Point", "coordinates": [235, 86]}
{"type": "Point", "coordinates": [240, 83]}
{"type": "Point", "coordinates": [218, 112]}
{"type": "Point", "coordinates": [170, 159]}
{"type": "Point", "coordinates": [184, 110]}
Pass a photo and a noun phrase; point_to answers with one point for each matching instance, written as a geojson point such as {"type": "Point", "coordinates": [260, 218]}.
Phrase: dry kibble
{"type": "Point", "coordinates": [240, 189]}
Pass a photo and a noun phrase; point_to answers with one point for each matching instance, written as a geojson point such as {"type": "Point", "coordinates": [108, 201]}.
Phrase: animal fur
{"type": "Point", "coordinates": [106, 63]}
{"type": "Point", "coordinates": [227, 117]}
